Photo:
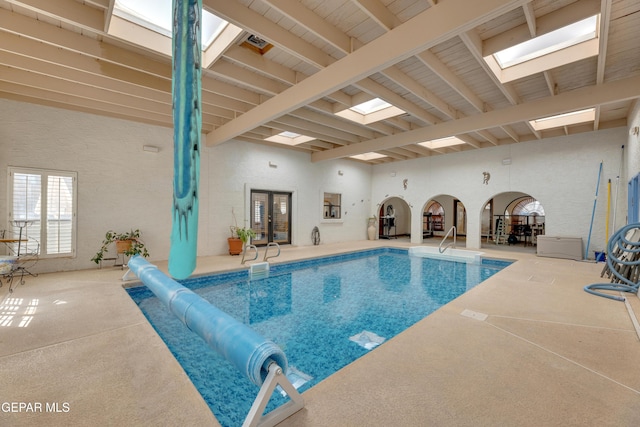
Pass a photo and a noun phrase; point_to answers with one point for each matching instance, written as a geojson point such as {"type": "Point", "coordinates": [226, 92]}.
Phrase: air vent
{"type": "Point", "coordinates": [257, 41]}
{"type": "Point", "coordinates": [256, 44]}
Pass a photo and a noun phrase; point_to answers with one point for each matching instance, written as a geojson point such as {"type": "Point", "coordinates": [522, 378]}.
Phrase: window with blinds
{"type": "Point", "coordinates": [42, 208]}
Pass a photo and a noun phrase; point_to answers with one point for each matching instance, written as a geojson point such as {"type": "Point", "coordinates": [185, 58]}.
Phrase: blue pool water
{"type": "Point", "coordinates": [324, 313]}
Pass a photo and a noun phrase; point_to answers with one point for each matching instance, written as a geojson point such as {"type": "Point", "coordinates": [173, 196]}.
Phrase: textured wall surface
{"type": "Point", "coordinates": [120, 186]}
{"type": "Point", "coordinates": [561, 173]}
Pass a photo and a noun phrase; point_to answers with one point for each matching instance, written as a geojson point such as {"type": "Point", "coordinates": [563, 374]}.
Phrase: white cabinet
{"type": "Point", "coordinates": [560, 247]}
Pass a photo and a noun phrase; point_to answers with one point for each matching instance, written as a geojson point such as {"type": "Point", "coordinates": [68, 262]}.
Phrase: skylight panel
{"type": "Point", "coordinates": [371, 106]}
{"type": "Point", "coordinates": [370, 111]}
{"type": "Point", "coordinates": [442, 142]}
{"type": "Point", "coordinates": [144, 14]}
{"type": "Point", "coordinates": [570, 35]}
{"type": "Point", "coordinates": [563, 46]}
{"type": "Point", "coordinates": [156, 16]}
{"type": "Point", "coordinates": [368, 156]}
{"type": "Point", "coordinates": [289, 138]}
{"type": "Point", "coordinates": [566, 119]}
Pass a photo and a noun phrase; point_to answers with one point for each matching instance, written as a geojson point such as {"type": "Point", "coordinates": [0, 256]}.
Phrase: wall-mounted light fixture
{"type": "Point", "coordinates": [634, 131]}
{"type": "Point", "coordinates": [273, 165]}
{"type": "Point", "coordinates": [340, 173]}
{"type": "Point", "coordinates": [506, 161]}
{"type": "Point", "coordinates": [151, 148]}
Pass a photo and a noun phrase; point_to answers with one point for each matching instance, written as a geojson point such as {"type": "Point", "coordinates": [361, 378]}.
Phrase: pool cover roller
{"type": "Point", "coordinates": [249, 352]}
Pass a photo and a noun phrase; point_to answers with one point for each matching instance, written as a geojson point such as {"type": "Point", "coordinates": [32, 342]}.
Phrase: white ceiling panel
{"type": "Point", "coordinates": [59, 56]}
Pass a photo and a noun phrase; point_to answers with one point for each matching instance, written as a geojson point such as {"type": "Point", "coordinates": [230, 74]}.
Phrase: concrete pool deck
{"type": "Point", "coordinates": [528, 347]}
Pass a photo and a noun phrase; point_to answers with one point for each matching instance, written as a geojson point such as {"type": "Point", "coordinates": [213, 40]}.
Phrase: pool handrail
{"type": "Point", "coordinates": [271, 244]}
{"type": "Point", "coordinates": [452, 229]}
{"type": "Point", "coordinates": [244, 253]}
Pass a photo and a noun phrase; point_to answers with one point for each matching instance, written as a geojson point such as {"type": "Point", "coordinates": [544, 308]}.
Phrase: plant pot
{"type": "Point", "coordinates": [235, 246]}
{"type": "Point", "coordinates": [123, 246]}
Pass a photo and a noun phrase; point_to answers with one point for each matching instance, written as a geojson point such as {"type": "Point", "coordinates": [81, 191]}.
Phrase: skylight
{"type": "Point", "coordinates": [148, 23]}
{"type": "Point", "coordinates": [570, 35]}
{"type": "Point", "coordinates": [370, 111]}
{"type": "Point", "coordinates": [371, 106]}
{"type": "Point", "coordinates": [560, 47]}
{"type": "Point", "coordinates": [289, 138]}
{"type": "Point", "coordinates": [155, 15]}
{"type": "Point", "coordinates": [368, 156]}
{"type": "Point", "coordinates": [566, 119]}
{"type": "Point", "coordinates": [442, 143]}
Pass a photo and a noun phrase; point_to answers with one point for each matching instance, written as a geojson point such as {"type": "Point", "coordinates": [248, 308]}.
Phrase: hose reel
{"type": "Point", "coordinates": [623, 263]}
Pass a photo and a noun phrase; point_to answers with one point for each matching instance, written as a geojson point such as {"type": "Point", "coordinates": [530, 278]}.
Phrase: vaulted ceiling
{"type": "Point", "coordinates": [323, 56]}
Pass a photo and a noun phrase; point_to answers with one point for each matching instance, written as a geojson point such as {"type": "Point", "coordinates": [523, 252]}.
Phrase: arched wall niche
{"type": "Point", "coordinates": [394, 218]}
{"type": "Point", "coordinates": [442, 212]}
{"type": "Point", "coordinates": [522, 214]}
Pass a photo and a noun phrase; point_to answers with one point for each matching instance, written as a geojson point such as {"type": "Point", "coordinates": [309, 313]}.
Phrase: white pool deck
{"type": "Point", "coordinates": [528, 347]}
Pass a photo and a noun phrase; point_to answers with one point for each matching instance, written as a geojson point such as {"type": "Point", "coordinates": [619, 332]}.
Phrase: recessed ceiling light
{"type": "Point", "coordinates": [565, 119]}
{"type": "Point", "coordinates": [442, 142]}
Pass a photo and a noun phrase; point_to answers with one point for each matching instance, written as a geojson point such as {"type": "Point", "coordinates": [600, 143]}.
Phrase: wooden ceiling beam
{"type": "Point", "coordinates": [334, 122]}
{"type": "Point", "coordinates": [246, 78]}
{"type": "Point", "coordinates": [624, 89]}
{"type": "Point", "coordinates": [574, 12]}
{"type": "Point", "coordinates": [420, 33]}
{"type": "Point", "coordinates": [437, 66]}
{"type": "Point", "coordinates": [474, 44]}
{"type": "Point", "coordinates": [68, 11]}
{"type": "Point", "coordinates": [398, 76]}
{"type": "Point", "coordinates": [379, 13]}
{"type": "Point", "coordinates": [530, 15]}
{"type": "Point", "coordinates": [64, 47]}
{"type": "Point", "coordinates": [376, 89]}
{"type": "Point", "coordinates": [318, 131]}
{"type": "Point", "coordinates": [605, 18]}
{"type": "Point", "coordinates": [313, 23]}
{"type": "Point", "coordinates": [257, 24]}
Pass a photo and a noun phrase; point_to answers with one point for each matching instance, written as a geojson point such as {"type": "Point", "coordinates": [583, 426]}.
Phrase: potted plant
{"type": "Point", "coordinates": [239, 238]}
{"type": "Point", "coordinates": [128, 243]}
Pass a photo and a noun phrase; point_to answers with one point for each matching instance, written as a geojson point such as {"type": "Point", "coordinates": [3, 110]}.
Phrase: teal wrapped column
{"type": "Point", "coordinates": [187, 125]}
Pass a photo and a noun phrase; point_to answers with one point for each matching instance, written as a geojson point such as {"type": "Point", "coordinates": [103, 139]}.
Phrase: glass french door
{"type": "Point", "coordinates": [271, 217]}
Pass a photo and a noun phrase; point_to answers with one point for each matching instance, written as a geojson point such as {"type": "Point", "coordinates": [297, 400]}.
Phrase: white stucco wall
{"type": "Point", "coordinates": [632, 147]}
{"type": "Point", "coordinates": [235, 167]}
{"type": "Point", "coordinates": [122, 187]}
{"type": "Point", "coordinates": [560, 172]}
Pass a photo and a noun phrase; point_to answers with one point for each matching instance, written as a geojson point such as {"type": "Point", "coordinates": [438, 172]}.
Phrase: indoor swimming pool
{"type": "Point", "coordinates": [324, 313]}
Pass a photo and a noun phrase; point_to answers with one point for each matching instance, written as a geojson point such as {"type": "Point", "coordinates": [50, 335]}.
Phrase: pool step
{"type": "Point", "coordinates": [259, 270]}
